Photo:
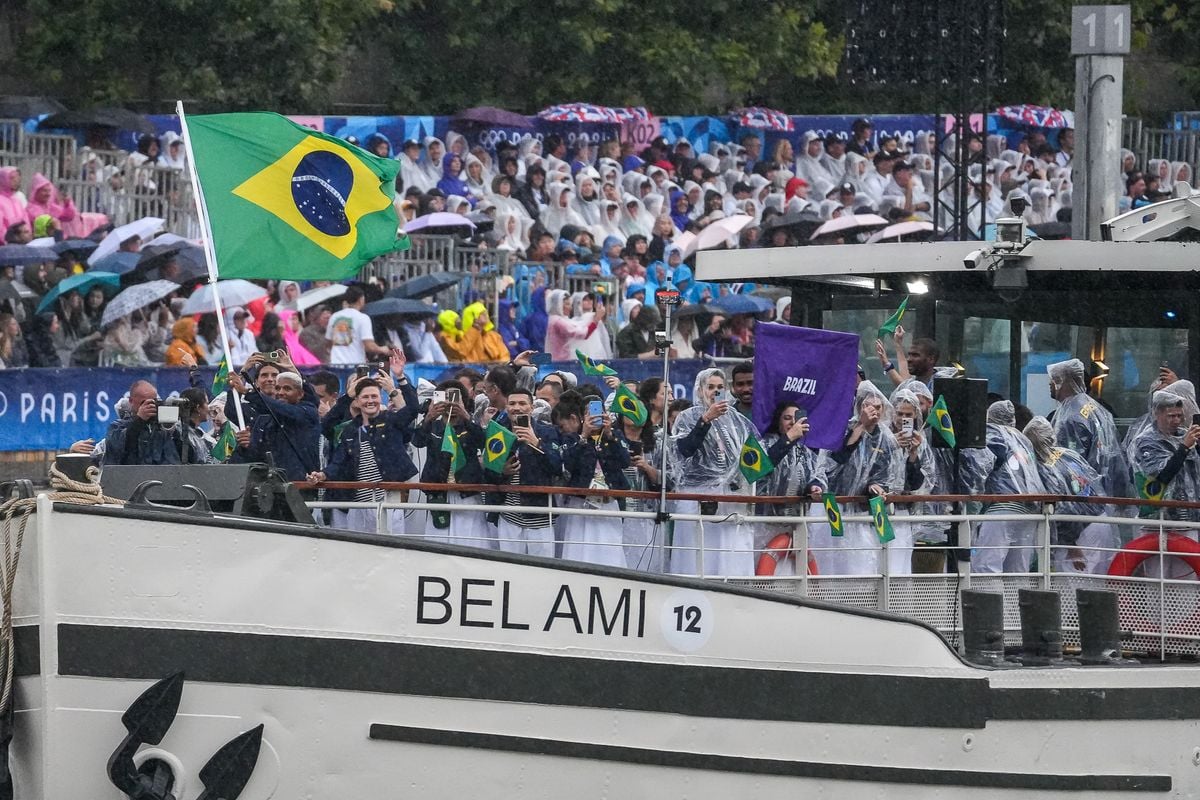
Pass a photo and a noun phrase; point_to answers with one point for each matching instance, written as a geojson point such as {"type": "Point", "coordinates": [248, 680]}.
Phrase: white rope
{"type": "Point", "coordinates": [66, 490]}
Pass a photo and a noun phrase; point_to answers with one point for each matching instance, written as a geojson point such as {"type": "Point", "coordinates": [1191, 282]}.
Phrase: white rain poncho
{"type": "Point", "coordinates": [873, 460]}
{"type": "Point", "coordinates": [560, 213]}
{"type": "Point", "coordinates": [713, 459]}
{"type": "Point", "coordinates": [919, 477]}
{"type": "Point", "coordinates": [1083, 425]}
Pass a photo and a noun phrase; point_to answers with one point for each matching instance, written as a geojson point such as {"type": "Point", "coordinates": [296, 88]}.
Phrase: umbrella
{"type": "Point", "coordinates": [438, 219]}
{"type": "Point", "coordinates": [741, 304]}
{"type": "Point", "coordinates": [135, 297]}
{"type": "Point", "coordinates": [912, 227]}
{"type": "Point", "coordinates": [315, 297]}
{"type": "Point", "coordinates": [767, 119]}
{"type": "Point", "coordinates": [77, 246]}
{"type": "Point", "coordinates": [79, 283]}
{"type": "Point", "coordinates": [120, 262]}
{"type": "Point", "coordinates": [426, 285]}
{"type": "Point", "coordinates": [22, 106]}
{"type": "Point", "coordinates": [119, 118]}
{"type": "Point", "coordinates": [1052, 230]}
{"type": "Point", "coordinates": [850, 225]}
{"type": "Point", "coordinates": [589, 112]}
{"type": "Point", "coordinates": [490, 115]}
{"type": "Point", "coordinates": [483, 223]}
{"type": "Point", "coordinates": [44, 241]}
{"type": "Point", "coordinates": [389, 306]}
{"type": "Point", "coordinates": [717, 232]}
{"type": "Point", "coordinates": [18, 255]}
{"type": "Point", "coordinates": [236, 292]}
{"type": "Point", "coordinates": [692, 310]}
{"type": "Point", "coordinates": [143, 228]}
{"type": "Point", "coordinates": [686, 242]}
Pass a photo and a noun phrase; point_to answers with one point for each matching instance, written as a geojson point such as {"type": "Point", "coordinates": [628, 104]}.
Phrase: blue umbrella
{"type": "Point", "coordinates": [742, 304]}
{"type": "Point", "coordinates": [81, 246]}
{"type": "Point", "coordinates": [119, 262]}
{"type": "Point", "coordinates": [79, 283]}
{"type": "Point", "coordinates": [18, 255]}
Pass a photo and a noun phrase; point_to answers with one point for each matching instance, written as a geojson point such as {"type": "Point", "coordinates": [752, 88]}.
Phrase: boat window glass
{"type": "Point", "coordinates": [865, 322]}
{"type": "Point", "coordinates": [1043, 344]}
{"type": "Point", "coordinates": [985, 351]}
{"type": "Point", "coordinates": [1133, 356]}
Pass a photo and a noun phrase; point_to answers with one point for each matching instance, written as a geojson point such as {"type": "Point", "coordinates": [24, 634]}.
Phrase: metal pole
{"type": "Point", "coordinates": [662, 475]}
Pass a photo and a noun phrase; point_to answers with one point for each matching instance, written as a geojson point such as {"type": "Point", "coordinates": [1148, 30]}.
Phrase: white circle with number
{"type": "Point", "coordinates": [687, 620]}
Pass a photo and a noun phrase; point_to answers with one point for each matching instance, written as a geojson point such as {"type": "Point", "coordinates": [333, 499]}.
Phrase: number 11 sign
{"type": "Point", "coordinates": [1100, 30]}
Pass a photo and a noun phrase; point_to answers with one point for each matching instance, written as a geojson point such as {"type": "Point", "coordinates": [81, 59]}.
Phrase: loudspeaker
{"type": "Point", "coordinates": [966, 400]}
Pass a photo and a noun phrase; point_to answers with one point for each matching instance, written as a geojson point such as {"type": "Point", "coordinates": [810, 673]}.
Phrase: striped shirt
{"type": "Point", "coordinates": [368, 470]}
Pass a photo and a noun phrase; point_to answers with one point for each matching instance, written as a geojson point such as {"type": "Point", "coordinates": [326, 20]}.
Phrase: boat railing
{"type": "Point", "coordinates": [921, 579]}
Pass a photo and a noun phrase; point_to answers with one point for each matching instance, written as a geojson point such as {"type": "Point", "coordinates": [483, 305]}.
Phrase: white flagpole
{"type": "Point", "coordinates": [210, 254]}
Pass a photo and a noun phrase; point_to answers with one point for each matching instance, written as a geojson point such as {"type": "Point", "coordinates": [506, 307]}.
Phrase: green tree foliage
{"type": "Point", "coordinates": [277, 54]}
{"type": "Point", "coordinates": [672, 57]}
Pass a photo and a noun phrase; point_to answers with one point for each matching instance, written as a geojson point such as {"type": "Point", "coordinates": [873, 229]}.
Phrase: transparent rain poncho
{"type": "Point", "coordinates": [1157, 455]}
{"type": "Point", "coordinates": [874, 459]}
{"type": "Point", "coordinates": [1083, 425]}
{"type": "Point", "coordinates": [1184, 390]}
{"type": "Point", "coordinates": [1064, 472]}
{"type": "Point", "coordinates": [1015, 470]}
{"type": "Point", "coordinates": [715, 463]}
{"type": "Point", "coordinates": [925, 463]}
{"type": "Point", "coordinates": [791, 477]}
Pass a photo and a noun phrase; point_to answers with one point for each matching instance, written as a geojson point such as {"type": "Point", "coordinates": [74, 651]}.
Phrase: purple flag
{"type": "Point", "coordinates": [814, 369]}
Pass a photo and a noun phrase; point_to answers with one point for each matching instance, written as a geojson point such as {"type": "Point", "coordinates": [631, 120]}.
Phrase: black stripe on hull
{"type": "Point", "coordinates": [773, 767]}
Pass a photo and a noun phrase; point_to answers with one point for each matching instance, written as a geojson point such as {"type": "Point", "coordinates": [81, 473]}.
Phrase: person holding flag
{"type": "Point", "coordinates": [642, 438]}
{"type": "Point", "coordinates": [1166, 463]}
{"type": "Point", "coordinates": [795, 474]}
{"type": "Point", "coordinates": [918, 469]}
{"type": "Point", "coordinates": [453, 443]}
{"type": "Point", "coordinates": [593, 458]}
{"type": "Point", "coordinates": [710, 441]}
{"type": "Point", "coordinates": [867, 463]}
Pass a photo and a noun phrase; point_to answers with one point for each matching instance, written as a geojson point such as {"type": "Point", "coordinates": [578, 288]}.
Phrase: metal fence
{"type": "Point", "coordinates": [1165, 143]}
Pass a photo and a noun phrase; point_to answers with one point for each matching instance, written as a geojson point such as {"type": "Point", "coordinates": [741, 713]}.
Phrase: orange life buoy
{"type": "Point", "coordinates": [1138, 550]}
{"type": "Point", "coordinates": [778, 549]}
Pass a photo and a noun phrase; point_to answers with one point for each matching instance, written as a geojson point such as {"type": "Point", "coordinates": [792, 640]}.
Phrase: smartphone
{"type": "Point", "coordinates": [521, 421]}
{"type": "Point", "coordinates": [723, 396]}
{"type": "Point", "coordinates": [907, 426]}
{"type": "Point", "coordinates": [1196, 419]}
{"type": "Point", "coordinates": [362, 371]}
{"type": "Point", "coordinates": [540, 358]}
{"type": "Point", "coordinates": [439, 397]}
{"type": "Point", "coordinates": [595, 410]}
{"type": "Point", "coordinates": [453, 396]}
{"type": "Point", "coordinates": [636, 448]}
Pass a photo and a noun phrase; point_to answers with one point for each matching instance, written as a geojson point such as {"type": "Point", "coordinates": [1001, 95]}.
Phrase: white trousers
{"type": "Point", "coordinates": [1004, 546]}
{"type": "Point", "coordinates": [468, 528]}
{"type": "Point", "coordinates": [527, 541]}
{"type": "Point", "coordinates": [595, 540]}
{"type": "Point", "coordinates": [728, 546]}
{"type": "Point", "coordinates": [1095, 562]}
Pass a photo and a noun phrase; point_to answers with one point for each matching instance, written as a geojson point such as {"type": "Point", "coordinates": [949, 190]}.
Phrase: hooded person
{"type": "Point", "coordinates": [506, 326]}
{"type": "Point", "coordinates": [866, 464]}
{"type": "Point", "coordinates": [1083, 425]}
{"type": "Point", "coordinates": [450, 335]}
{"type": "Point", "coordinates": [559, 212]}
{"type": "Point", "coordinates": [292, 324]}
{"type": "Point", "coordinates": [1065, 472]}
{"type": "Point", "coordinates": [183, 344]}
{"type": "Point", "coordinates": [586, 307]}
{"type": "Point", "coordinates": [609, 228]}
{"type": "Point", "coordinates": [562, 330]}
{"type": "Point", "coordinates": [636, 339]}
{"type": "Point", "coordinates": [587, 202]}
{"type": "Point", "coordinates": [919, 473]}
{"type": "Point", "coordinates": [1007, 546]}
{"type": "Point", "coordinates": [512, 231]}
{"type": "Point", "coordinates": [795, 475]}
{"type": "Point", "coordinates": [481, 342]}
{"type": "Point", "coordinates": [452, 182]}
{"type": "Point", "coordinates": [708, 438]}
{"type": "Point", "coordinates": [475, 177]}
{"type": "Point", "coordinates": [810, 164]}
{"type": "Point", "coordinates": [410, 164]}
{"type": "Point", "coordinates": [1166, 461]}
{"type": "Point", "coordinates": [681, 210]}
{"type": "Point", "coordinates": [40, 341]}
{"type": "Point", "coordinates": [429, 166]}
{"type": "Point", "coordinates": [533, 326]}
{"type": "Point", "coordinates": [44, 199]}
{"type": "Point", "coordinates": [1180, 388]}
{"type": "Point", "coordinates": [12, 203]}
{"type": "Point", "coordinates": [635, 219]}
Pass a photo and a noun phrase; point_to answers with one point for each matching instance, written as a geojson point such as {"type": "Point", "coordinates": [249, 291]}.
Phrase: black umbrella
{"type": "Point", "coordinates": [1052, 230]}
{"type": "Point", "coordinates": [81, 247]}
{"type": "Point", "coordinates": [693, 310]}
{"type": "Point", "coordinates": [118, 118]}
{"type": "Point", "coordinates": [21, 106]}
{"type": "Point", "coordinates": [483, 223]}
{"type": "Point", "coordinates": [490, 115]}
{"type": "Point", "coordinates": [802, 224]}
{"type": "Point", "coordinates": [189, 258]}
{"type": "Point", "coordinates": [392, 306]}
{"type": "Point", "coordinates": [427, 285]}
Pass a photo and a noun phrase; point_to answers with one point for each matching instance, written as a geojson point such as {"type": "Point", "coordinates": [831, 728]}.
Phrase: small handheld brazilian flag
{"type": "Point", "coordinates": [221, 379]}
{"type": "Point", "coordinates": [879, 518]}
{"type": "Point", "coordinates": [451, 445]}
{"type": "Point", "coordinates": [939, 420]}
{"type": "Point", "coordinates": [226, 443]}
{"type": "Point", "coordinates": [593, 368]}
{"type": "Point", "coordinates": [1149, 487]}
{"type": "Point", "coordinates": [890, 324]}
{"type": "Point", "coordinates": [833, 513]}
{"type": "Point", "coordinates": [754, 462]}
{"type": "Point", "coordinates": [497, 446]}
{"type": "Point", "coordinates": [630, 406]}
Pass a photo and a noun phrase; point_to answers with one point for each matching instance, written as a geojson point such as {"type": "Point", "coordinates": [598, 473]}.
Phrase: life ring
{"type": "Point", "coordinates": [776, 550]}
{"type": "Point", "coordinates": [1138, 550]}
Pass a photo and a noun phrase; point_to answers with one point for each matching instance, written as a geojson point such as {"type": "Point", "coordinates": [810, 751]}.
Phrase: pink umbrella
{"type": "Point", "coordinates": [898, 231]}
{"type": "Point", "coordinates": [721, 230]}
{"type": "Point", "coordinates": [849, 224]}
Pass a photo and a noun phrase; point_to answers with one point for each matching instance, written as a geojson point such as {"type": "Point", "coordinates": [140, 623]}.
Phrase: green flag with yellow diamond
{"type": "Point", "coordinates": [451, 445]}
{"type": "Point", "coordinates": [1149, 487]}
{"type": "Point", "coordinates": [939, 420]}
{"type": "Point", "coordinates": [879, 518]}
{"type": "Point", "coordinates": [593, 368]}
{"type": "Point", "coordinates": [754, 462]}
{"type": "Point", "coordinates": [221, 380]}
{"type": "Point", "coordinates": [497, 446]}
{"type": "Point", "coordinates": [833, 513]}
{"type": "Point", "coordinates": [629, 405]}
{"type": "Point", "coordinates": [226, 443]}
{"type": "Point", "coordinates": [285, 201]}
{"type": "Point", "coordinates": [891, 323]}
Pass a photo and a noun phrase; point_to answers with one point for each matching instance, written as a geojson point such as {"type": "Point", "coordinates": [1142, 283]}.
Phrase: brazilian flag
{"type": "Point", "coordinates": [451, 445]}
{"type": "Point", "coordinates": [1149, 487]}
{"type": "Point", "coordinates": [939, 420]}
{"type": "Point", "coordinates": [285, 201]}
{"type": "Point", "coordinates": [630, 406]}
{"type": "Point", "coordinates": [754, 462]}
{"type": "Point", "coordinates": [221, 380]}
{"type": "Point", "coordinates": [593, 368]}
{"type": "Point", "coordinates": [879, 518]}
{"type": "Point", "coordinates": [226, 443]}
{"type": "Point", "coordinates": [833, 513]}
{"type": "Point", "coordinates": [891, 323]}
{"type": "Point", "coordinates": [498, 444]}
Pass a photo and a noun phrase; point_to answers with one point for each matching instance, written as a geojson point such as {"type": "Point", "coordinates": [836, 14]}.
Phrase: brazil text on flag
{"type": "Point", "coordinates": [285, 201]}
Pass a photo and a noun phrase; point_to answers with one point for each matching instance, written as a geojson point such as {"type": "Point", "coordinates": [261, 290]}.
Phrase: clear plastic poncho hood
{"type": "Point", "coordinates": [716, 462]}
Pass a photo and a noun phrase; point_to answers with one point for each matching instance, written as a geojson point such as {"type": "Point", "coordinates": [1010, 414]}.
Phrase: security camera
{"type": "Point", "coordinates": [973, 259]}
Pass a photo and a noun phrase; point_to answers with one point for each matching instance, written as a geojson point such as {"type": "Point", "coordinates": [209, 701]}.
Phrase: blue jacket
{"type": "Point", "coordinates": [537, 469]}
{"type": "Point", "coordinates": [437, 463]}
{"type": "Point", "coordinates": [580, 457]}
{"type": "Point", "coordinates": [389, 435]}
{"type": "Point", "coordinates": [154, 445]}
{"type": "Point", "coordinates": [292, 442]}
